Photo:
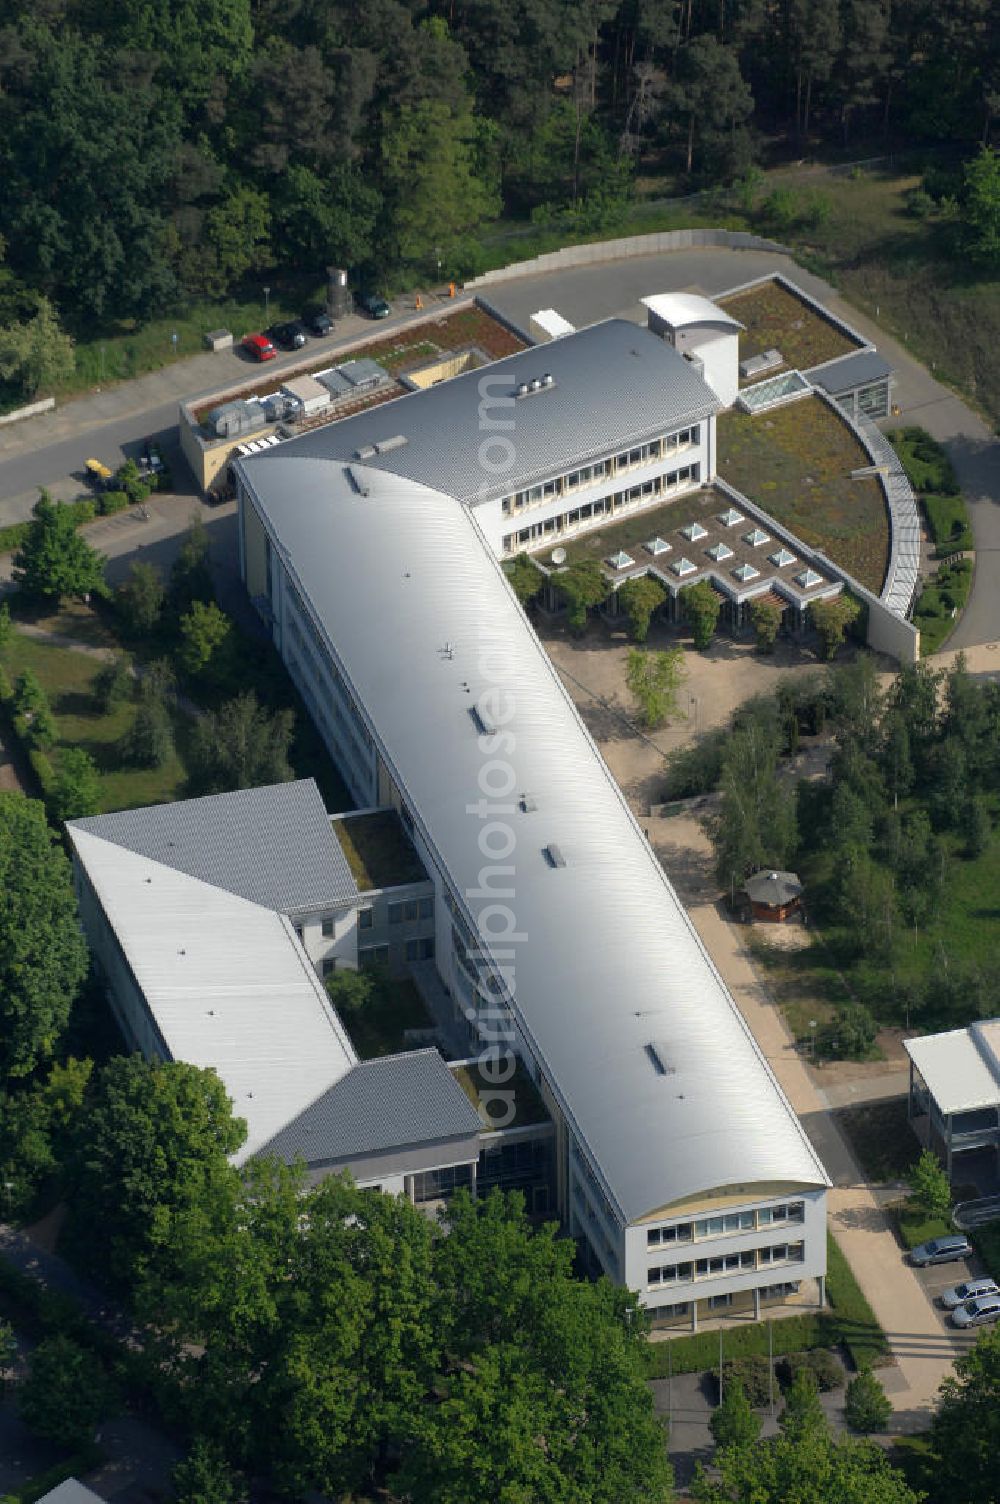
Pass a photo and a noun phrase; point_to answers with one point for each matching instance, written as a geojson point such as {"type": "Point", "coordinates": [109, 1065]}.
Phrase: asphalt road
{"type": "Point", "coordinates": [50, 450]}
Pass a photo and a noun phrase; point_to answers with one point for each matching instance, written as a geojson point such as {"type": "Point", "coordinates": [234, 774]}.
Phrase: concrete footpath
{"type": "Point", "coordinates": [922, 1346]}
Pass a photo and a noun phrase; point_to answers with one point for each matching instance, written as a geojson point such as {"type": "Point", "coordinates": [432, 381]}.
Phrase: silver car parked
{"type": "Point", "coordinates": [943, 1250]}
{"type": "Point", "coordinates": [981, 1312]}
{"type": "Point", "coordinates": [970, 1290]}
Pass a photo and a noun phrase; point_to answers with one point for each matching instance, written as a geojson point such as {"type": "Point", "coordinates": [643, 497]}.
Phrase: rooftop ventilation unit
{"type": "Point", "coordinates": [528, 804]}
{"type": "Point", "coordinates": [368, 452]}
{"type": "Point", "coordinates": [658, 1060]}
{"type": "Point", "coordinates": [548, 379]}
{"type": "Point", "coordinates": [358, 480]}
{"type": "Point", "coordinates": [481, 722]}
{"type": "Point", "coordinates": [553, 855]}
{"type": "Point", "coordinates": [386, 446]}
{"type": "Point", "coordinates": [536, 383]}
{"type": "Point", "coordinates": [522, 389]}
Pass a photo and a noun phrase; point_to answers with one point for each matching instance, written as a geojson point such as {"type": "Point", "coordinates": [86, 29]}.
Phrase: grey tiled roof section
{"type": "Point", "coordinates": [382, 1104]}
{"type": "Point", "coordinates": [850, 371]}
{"type": "Point", "coordinates": [273, 846]}
{"type": "Point", "coordinates": [615, 384]}
{"type": "Point", "coordinates": [71, 1491]}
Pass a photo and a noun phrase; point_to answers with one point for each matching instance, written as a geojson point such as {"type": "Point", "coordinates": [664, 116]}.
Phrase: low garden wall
{"type": "Point", "coordinates": [628, 245]}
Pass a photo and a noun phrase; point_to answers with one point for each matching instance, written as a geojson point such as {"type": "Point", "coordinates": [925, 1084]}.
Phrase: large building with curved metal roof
{"type": "Point", "coordinates": [680, 1165]}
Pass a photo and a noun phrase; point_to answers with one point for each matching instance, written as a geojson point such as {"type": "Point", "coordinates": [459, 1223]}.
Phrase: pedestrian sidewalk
{"type": "Point", "coordinates": [922, 1347]}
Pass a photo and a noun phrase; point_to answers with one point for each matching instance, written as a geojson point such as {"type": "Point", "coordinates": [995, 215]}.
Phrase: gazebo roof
{"type": "Point", "coordinates": [773, 888]}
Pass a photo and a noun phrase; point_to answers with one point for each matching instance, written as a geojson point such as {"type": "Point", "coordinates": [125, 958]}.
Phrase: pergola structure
{"type": "Point", "coordinates": [954, 1100]}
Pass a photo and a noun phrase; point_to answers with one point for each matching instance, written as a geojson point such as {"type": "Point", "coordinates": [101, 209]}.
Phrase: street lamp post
{"type": "Point", "coordinates": [812, 1040]}
{"type": "Point", "coordinates": [267, 302]}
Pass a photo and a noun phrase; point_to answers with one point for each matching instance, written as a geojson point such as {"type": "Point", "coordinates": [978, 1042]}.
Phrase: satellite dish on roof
{"type": "Point", "coordinates": [558, 556]}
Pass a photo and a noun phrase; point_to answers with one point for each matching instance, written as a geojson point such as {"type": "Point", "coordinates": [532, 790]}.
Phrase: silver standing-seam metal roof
{"type": "Point", "coordinates": [960, 1068]}
{"type": "Point", "coordinates": [273, 846]}
{"type": "Point", "coordinates": [608, 960]}
{"type": "Point", "coordinates": [614, 385]}
{"type": "Point", "coordinates": [389, 1103]}
{"type": "Point", "coordinates": [847, 372]}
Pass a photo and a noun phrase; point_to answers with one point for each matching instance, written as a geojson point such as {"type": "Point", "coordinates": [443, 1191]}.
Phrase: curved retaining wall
{"type": "Point", "coordinates": [629, 245]}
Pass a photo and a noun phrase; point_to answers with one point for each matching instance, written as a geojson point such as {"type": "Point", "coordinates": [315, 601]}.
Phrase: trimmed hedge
{"type": "Point", "coordinates": [927, 466]}
{"type": "Point", "coordinates": [820, 1363]}
{"type": "Point", "coordinates": [948, 523]}
{"type": "Point", "coordinates": [986, 1241]}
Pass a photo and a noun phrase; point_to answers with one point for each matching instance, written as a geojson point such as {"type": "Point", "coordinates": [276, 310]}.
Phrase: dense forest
{"type": "Point", "coordinates": [157, 151]}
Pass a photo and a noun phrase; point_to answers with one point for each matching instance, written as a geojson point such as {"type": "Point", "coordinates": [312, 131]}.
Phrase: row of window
{"type": "Point", "coordinates": [727, 1263]}
{"type": "Point", "coordinates": [595, 1231]}
{"type": "Point", "coordinates": [720, 1302]}
{"type": "Point", "coordinates": [732, 1222]}
{"type": "Point", "coordinates": [604, 506]}
{"type": "Point", "coordinates": [589, 475]}
{"type": "Point", "coordinates": [421, 949]}
{"type": "Point", "coordinates": [411, 909]}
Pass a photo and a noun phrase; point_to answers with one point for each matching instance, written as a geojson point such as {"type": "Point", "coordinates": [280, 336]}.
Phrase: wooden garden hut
{"type": "Point", "coordinates": [774, 896]}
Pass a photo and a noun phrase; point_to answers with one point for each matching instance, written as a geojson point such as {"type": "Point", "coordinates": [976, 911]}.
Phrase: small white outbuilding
{"type": "Point", "coordinates": [703, 333]}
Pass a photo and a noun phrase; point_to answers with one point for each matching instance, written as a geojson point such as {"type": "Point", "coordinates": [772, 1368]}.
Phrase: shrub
{"type": "Point", "coordinates": [75, 789]}
{"type": "Point", "coordinates": [110, 502]}
{"type": "Point", "coordinates": [831, 619]}
{"type": "Point", "coordinates": [930, 1188]}
{"type": "Point", "coordinates": [734, 1423]}
{"type": "Point", "coordinates": [915, 1224]}
{"type": "Point", "coordinates": [820, 1363]}
{"type": "Point", "coordinates": [766, 617]}
{"type": "Point", "coordinates": [753, 1375]}
{"type": "Point", "coordinates": [141, 596]}
{"type": "Point", "coordinates": [66, 1392]}
{"type": "Point", "coordinates": [581, 585]}
{"type": "Point", "coordinates": [866, 1406]}
{"type": "Point", "coordinates": [524, 576]}
{"type": "Point", "coordinates": [696, 769]}
{"type": "Point", "coordinates": [925, 461]}
{"type": "Point", "coordinates": [850, 1035]}
{"type": "Point", "coordinates": [641, 598]}
{"type": "Point", "coordinates": [948, 523]}
{"type": "Point", "coordinates": [149, 740]}
{"type": "Point", "coordinates": [701, 604]}
{"type": "Point", "coordinates": [114, 683]}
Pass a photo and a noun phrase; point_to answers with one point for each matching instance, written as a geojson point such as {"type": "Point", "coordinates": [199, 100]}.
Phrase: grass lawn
{"type": "Point", "coordinates": [806, 984]}
{"type": "Point", "coordinates": [883, 1142]}
{"type": "Point", "coordinates": [67, 677]}
{"type": "Point", "coordinates": [905, 272]}
{"type": "Point", "coordinates": [379, 852]}
{"type": "Point", "coordinates": [775, 319]}
{"type": "Point", "coordinates": [378, 1028]}
{"type": "Point", "coordinates": [941, 601]}
{"type": "Point", "coordinates": [915, 1226]}
{"type": "Point", "coordinates": [795, 462]}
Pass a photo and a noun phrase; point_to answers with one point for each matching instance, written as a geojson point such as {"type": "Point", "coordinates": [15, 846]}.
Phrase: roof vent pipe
{"type": "Point", "coordinates": [548, 379]}
{"type": "Point", "coordinates": [536, 383]}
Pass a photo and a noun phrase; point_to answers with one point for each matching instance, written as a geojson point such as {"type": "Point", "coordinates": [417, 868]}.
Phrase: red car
{"type": "Point", "coordinates": [260, 347]}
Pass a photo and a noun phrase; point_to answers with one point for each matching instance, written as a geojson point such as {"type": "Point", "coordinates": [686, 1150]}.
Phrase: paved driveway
{"type": "Point", "coordinates": [583, 294]}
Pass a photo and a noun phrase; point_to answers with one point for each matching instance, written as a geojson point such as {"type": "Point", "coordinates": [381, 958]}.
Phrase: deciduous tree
{"type": "Point", "coordinates": [240, 746]}
{"type": "Point", "coordinates": [140, 597]}
{"type": "Point", "coordinates": [43, 958]}
{"type": "Point", "coordinates": [54, 560]}
{"type": "Point", "coordinates": [831, 620]}
{"type": "Point", "coordinates": [37, 354]}
{"type": "Point", "coordinates": [66, 1392]}
{"type": "Point", "coordinates": [152, 1149]}
{"type": "Point", "coordinates": [966, 1430]}
{"type": "Point", "coordinates": [654, 681]}
{"type": "Point", "coordinates": [701, 604]}
{"type": "Point", "coordinates": [641, 597]}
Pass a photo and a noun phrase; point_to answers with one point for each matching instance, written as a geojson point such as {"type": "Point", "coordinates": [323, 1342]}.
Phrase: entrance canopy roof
{"type": "Point", "coordinates": [961, 1068]}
